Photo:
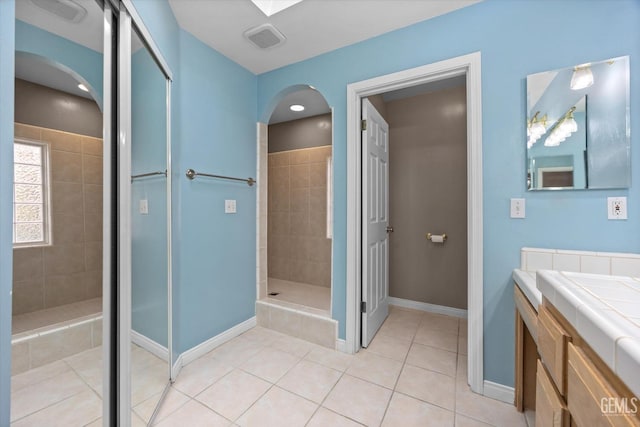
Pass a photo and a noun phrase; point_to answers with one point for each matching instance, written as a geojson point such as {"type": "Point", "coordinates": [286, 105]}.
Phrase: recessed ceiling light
{"type": "Point", "coordinates": [83, 87]}
{"type": "Point", "coordinates": [296, 107]}
{"type": "Point", "coordinates": [271, 7]}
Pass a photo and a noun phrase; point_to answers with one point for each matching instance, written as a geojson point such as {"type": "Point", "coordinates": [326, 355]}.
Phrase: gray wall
{"type": "Point", "coordinates": [427, 193]}
{"type": "Point", "coordinates": [49, 108]}
{"type": "Point", "coordinates": [304, 133]}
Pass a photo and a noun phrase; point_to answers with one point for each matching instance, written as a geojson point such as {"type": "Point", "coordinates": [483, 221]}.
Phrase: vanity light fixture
{"type": "Point", "coordinates": [536, 127]}
{"type": "Point", "coordinates": [562, 129]}
{"type": "Point", "coordinates": [582, 77]}
{"type": "Point", "coordinates": [296, 107]}
{"type": "Point", "coordinates": [83, 87]}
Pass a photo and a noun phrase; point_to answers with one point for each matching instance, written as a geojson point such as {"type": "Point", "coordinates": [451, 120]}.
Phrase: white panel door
{"type": "Point", "coordinates": [375, 220]}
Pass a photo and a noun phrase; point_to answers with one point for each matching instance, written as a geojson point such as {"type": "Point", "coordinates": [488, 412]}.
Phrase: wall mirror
{"type": "Point", "coordinates": [578, 127]}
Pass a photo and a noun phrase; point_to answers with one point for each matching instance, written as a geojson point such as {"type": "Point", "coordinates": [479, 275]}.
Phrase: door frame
{"type": "Point", "coordinates": [469, 65]}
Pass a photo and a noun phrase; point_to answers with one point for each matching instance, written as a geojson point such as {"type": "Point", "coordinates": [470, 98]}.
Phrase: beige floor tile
{"type": "Point", "coordinates": [406, 411]}
{"type": "Point", "coordinates": [234, 394]}
{"type": "Point", "coordinates": [236, 351]}
{"type": "Point", "coordinates": [439, 339]}
{"type": "Point", "coordinates": [433, 359]}
{"type": "Point", "coordinates": [200, 374]}
{"type": "Point", "coordinates": [136, 421]}
{"type": "Point", "coordinates": [292, 345]}
{"type": "Point", "coordinates": [388, 346]}
{"type": "Point", "coordinates": [440, 322]}
{"type": "Point", "coordinates": [88, 365]}
{"type": "Point", "coordinates": [96, 423]}
{"type": "Point", "coordinates": [462, 345]}
{"type": "Point", "coordinates": [330, 358]}
{"type": "Point", "coordinates": [278, 408]}
{"type": "Point", "coordinates": [270, 364]}
{"type": "Point", "coordinates": [400, 329]}
{"type": "Point", "coordinates": [261, 336]}
{"type": "Point", "coordinates": [80, 409]}
{"type": "Point", "coordinates": [462, 421]}
{"type": "Point", "coordinates": [147, 382]}
{"type": "Point", "coordinates": [376, 369]}
{"type": "Point", "coordinates": [194, 414]}
{"type": "Point", "coordinates": [38, 396]}
{"type": "Point", "coordinates": [310, 380]}
{"type": "Point", "coordinates": [461, 371]}
{"type": "Point", "coordinates": [37, 375]}
{"type": "Point", "coordinates": [325, 418]}
{"type": "Point", "coordinates": [405, 315]}
{"type": "Point", "coordinates": [487, 410]}
{"type": "Point", "coordinates": [359, 400]}
{"type": "Point", "coordinates": [171, 402]}
{"type": "Point", "coordinates": [429, 386]}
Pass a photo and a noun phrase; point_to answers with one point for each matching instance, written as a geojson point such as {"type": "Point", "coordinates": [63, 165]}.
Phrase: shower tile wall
{"type": "Point", "coordinates": [69, 270]}
{"type": "Point", "coordinates": [298, 247]}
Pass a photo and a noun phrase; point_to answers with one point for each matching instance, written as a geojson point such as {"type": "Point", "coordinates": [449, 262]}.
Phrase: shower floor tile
{"type": "Point", "coordinates": [317, 297]}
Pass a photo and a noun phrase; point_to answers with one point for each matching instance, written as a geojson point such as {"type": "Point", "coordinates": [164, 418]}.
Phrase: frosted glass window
{"type": "Point", "coordinates": [30, 194]}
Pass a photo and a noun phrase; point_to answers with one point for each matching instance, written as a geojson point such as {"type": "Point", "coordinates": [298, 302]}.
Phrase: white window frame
{"type": "Point", "coordinates": [46, 195]}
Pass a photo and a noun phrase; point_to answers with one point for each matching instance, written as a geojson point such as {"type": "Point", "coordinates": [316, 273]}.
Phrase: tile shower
{"type": "Point", "coordinates": [298, 243]}
{"type": "Point", "coordinates": [57, 289]}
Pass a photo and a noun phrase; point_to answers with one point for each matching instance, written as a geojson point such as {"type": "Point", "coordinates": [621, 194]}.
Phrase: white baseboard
{"type": "Point", "coordinates": [341, 345]}
{"type": "Point", "coordinates": [176, 368]}
{"type": "Point", "coordinates": [205, 347]}
{"type": "Point", "coordinates": [431, 308]}
{"type": "Point", "coordinates": [499, 392]}
{"type": "Point", "coordinates": [150, 345]}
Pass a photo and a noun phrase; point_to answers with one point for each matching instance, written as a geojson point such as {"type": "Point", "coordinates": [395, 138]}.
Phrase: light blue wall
{"type": "Point", "coordinates": [214, 131]}
{"type": "Point", "coordinates": [218, 269]}
{"type": "Point", "coordinates": [512, 45]}
{"type": "Point", "coordinates": [80, 61]}
{"type": "Point", "coordinates": [149, 285]}
{"type": "Point", "coordinates": [7, 43]}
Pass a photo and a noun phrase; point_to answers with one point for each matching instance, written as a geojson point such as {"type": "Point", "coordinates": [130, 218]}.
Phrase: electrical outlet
{"type": "Point", "coordinates": [143, 207]}
{"type": "Point", "coordinates": [229, 206]}
{"type": "Point", "coordinates": [617, 207]}
{"type": "Point", "coordinates": [517, 208]}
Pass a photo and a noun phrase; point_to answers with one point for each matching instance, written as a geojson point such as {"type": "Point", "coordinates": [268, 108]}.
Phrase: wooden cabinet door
{"type": "Point", "coordinates": [550, 408]}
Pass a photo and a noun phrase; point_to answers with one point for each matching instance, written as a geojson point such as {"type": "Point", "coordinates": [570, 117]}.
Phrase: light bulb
{"type": "Point", "coordinates": [582, 77]}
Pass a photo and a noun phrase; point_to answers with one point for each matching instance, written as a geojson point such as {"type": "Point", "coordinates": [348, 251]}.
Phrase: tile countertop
{"type": "Point", "coordinates": [526, 281]}
{"type": "Point", "coordinates": [605, 310]}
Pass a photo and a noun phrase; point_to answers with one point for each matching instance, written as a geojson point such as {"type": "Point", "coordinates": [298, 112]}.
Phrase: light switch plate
{"type": "Point", "coordinates": [616, 207]}
{"type": "Point", "coordinates": [143, 207]}
{"type": "Point", "coordinates": [517, 208]}
{"type": "Point", "coordinates": [229, 206]}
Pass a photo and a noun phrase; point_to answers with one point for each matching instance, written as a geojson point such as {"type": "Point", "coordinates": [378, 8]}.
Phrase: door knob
{"type": "Point", "coordinates": [389, 229]}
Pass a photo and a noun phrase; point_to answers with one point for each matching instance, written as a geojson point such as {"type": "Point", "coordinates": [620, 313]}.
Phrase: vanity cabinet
{"type": "Point", "coordinates": [573, 385]}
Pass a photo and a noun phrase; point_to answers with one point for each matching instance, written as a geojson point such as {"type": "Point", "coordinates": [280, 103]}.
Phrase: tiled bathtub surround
{"type": "Point", "coordinates": [298, 247]}
{"type": "Point", "coordinates": [613, 263]}
{"type": "Point", "coordinates": [69, 270]}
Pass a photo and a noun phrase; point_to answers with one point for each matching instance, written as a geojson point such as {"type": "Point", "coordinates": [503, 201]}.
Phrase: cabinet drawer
{"type": "Point", "coordinates": [550, 408]}
{"type": "Point", "coordinates": [591, 399]}
{"type": "Point", "coordinates": [552, 346]}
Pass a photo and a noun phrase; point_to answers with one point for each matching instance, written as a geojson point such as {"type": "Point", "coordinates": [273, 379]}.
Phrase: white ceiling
{"type": "Point", "coordinates": [313, 101]}
{"type": "Point", "coordinates": [311, 27]}
{"type": "Point", "coordinates": [35, 69]}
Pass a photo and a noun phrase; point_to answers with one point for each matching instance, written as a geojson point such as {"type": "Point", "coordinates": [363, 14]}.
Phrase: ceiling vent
{"type": "Point", "coordinates": [66, 9]}
{"type": "Point", "coordinates": [265, 36]}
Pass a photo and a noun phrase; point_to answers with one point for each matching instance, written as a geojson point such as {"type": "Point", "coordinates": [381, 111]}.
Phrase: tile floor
{"type": "Point", "coordinates": [412, 374]}
{"type": "Point", "coordinates": [68, 392]}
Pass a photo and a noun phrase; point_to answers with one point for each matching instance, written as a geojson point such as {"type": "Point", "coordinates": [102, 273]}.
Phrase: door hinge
{"type": "Point", "coordinates": [363, 125]}
{"type": "Point", "coordinates": [363, 306]}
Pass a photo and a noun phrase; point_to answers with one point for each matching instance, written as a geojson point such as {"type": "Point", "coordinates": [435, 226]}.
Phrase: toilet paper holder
{"type": "Point", "coordinates": [436, 237]}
